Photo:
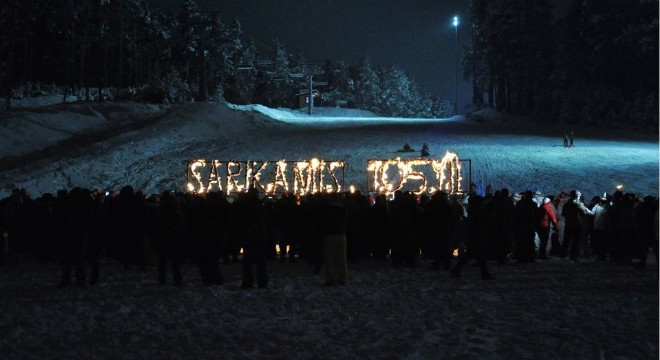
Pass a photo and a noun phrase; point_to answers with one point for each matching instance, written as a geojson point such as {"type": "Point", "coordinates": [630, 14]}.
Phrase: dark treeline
{"type": "Point", "coordinates": [596, 64]}
{"type": "Point", "coordinates": [134, 49]}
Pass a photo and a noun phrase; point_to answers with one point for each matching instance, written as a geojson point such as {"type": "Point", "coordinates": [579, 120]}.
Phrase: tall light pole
{"type": "Point", "coordinates": [455, 24]}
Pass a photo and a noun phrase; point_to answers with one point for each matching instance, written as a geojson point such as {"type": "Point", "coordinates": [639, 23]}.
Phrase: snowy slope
{"type": "Point", "coordinates": [106, 146]}
{"type": "Point", "coordinates": [551, 309]}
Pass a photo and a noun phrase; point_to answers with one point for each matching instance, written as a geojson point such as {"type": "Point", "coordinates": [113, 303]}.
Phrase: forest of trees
{"type": "Point", "coordinates": [133, 49]}
{"type": "Point", "coordinates": [595, 64]}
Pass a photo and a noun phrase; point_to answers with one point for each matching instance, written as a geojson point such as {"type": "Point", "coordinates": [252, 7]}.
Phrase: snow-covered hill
{"type": "Point", "coordinates": [552, 309]}
{"type": "Point", "coordinates": [109, 145]}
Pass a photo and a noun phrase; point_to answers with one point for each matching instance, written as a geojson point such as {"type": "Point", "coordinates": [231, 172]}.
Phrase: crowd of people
{"type": "Point", "coordinates": [328, 231]}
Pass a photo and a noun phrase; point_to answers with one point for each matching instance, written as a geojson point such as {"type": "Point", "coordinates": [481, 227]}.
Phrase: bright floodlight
{"type": "Point", "coordinates": [455, 22]}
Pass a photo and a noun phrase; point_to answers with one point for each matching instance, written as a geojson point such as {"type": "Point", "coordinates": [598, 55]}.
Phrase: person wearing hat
{"type": "Point", "coordinates": [599, 231]}
{"type": "Point", "coordinates": [547, 217]}
{"type": "Point", "coordinates": [573, 213]}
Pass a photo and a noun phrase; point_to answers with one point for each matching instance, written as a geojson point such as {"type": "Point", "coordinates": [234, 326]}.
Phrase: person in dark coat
{"type": "Point", "coordinates": [499, 211]}
{"type": "Point", "coordinates": [646, 214]}
{"type": "Point", "coordinates": [379, 224]}
{"type": "Point", "coordinates": [288, 214]}
{"type": "Point", "coordinates": [208, 220]}
{"type": "Point", "coordinates": [573, 212]}
{"type": "Point", "coordinates": [523, 222]}
{"type": "Point", "coordinates": [168, 240]}
{"type": "Point", "coordinates": [425, 150]}
{"type": "Point", "coordinates": [129, 214]}
{"type": "Point", "coordinates": [252, 216]}
{"type": "Point", "coordinates": [334, 239]}
{"type": "Point", "coordinates": [219, 218]}
{"type": "Point", "coordinates": [475, 246]}
{"type": "Point", "coordinates": [440, 222]}
{"type": "Point", "coordinates": [357, 209]}
{"type": "Point", "coordinates": [600, 230]}
{"type": "Point", "coordinates": [74, 228]}
{"type": "Point", "coordinates": [403, 210]}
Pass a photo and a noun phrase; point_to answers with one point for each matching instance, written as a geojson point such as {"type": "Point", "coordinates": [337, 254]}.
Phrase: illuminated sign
{"type": "Point", "coordinates": [269, 177]}
{"type": "Point", "coordinates": [418, 175]}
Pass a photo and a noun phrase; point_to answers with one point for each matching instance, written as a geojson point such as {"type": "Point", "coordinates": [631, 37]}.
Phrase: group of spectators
{"type": "Point", "coordinates": [328, 231]}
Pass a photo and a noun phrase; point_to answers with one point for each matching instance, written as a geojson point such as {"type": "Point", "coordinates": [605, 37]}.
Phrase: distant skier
{"type": "Point", "coordinates": [565, 140]}
{"type": "Point", "coordinates": [425, 150]}
{"type": "Point", "coordinates": [570, 139]}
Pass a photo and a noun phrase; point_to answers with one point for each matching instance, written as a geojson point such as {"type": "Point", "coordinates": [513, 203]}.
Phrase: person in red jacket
{"type": "Point", "coordinates": [547, 217]}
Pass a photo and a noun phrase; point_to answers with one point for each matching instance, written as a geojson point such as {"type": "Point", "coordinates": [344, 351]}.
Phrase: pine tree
{"type": "Point", "coordinates": [367, 88]}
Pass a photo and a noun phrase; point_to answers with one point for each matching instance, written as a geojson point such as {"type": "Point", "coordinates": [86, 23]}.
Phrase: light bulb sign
{"type": "Point", "coordinates": [269, 177]}
{"type": "Point", "coordinates": [418, 175]}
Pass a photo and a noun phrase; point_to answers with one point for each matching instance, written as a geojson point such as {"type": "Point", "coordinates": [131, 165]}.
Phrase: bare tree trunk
{"type": "Point", "coordinates": [121, 46]}
{"type": "Point", "coordinates": [203, 94]}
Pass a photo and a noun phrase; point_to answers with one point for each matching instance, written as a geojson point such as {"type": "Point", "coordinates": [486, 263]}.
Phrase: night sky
{"type": "Point", "coordinates": [415, 36]}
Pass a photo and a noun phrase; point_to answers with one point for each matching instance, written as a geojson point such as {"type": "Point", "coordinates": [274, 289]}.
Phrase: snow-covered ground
{"type": "Point", "coordinates": [109, 145]}
{"type": "Point", "coordinates": [551, 309]}
{"type": "Point", "coordinates": [548, 310]}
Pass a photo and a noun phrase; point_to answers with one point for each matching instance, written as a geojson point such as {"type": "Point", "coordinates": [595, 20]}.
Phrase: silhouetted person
{"type": "Point", "coordinates": [130, 220]}
{"type": "Point", "coordinates": [524, 221]}
{"type": "Point", "coordinates": [439, 223]}
{"type": "Point", "coordinates": [646, 215]}
{"type": "Point", "coordinates": [255, 244]}
{"type": "Point", "coordinates": [357, 210]}
{"type": "Point", "coordinates": [380, 234]}
{"type": "Point", "coordinates": [334, 240]}
{"type": "Point", "coordinates": [599, 233]}
{"type": "Point", "coordinates": [425, 150]}
{"type": "Point", "coordinates": [573, 212]}
{"type": "Point", "coordinates": [17, 222]}
{"type": "Point", "coordinates": [74, 228]}
{"type": "Point", "coordinates": [499, 211]}
{"type": "Point", "coordinates": [207, 220]}
{"type": "Point", "coordinates": [311, 235]}
{"type": "Point", "coordinates": [403, 210]}
{"type": "Point", "coordinates": [288, 219]}
{"type": "Point", "coordinates": [475, 246]}
{"type": "Point", "coordinates": [168, 242]}
{"type": "Point", "coordinates": [218, 222]}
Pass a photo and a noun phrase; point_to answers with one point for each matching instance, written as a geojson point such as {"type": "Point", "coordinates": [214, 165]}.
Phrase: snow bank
{"type": "Point", "coordinates": [327, 115]}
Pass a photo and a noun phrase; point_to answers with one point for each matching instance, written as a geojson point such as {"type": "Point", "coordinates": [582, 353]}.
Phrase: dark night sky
{"type": "Point", "coordinates": [415, 36]}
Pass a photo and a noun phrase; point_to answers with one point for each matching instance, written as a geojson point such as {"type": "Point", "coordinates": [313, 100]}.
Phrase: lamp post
{"type": "Point", "coordinates": [455, 24]}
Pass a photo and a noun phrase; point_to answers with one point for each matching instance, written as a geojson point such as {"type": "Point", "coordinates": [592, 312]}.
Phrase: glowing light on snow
{"type": "Point", "coordinates": [389, 175]}
{"type": "Point", "coordinates": [303, 177]}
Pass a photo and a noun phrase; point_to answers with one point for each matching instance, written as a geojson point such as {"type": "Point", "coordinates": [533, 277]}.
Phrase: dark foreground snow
{"type": "Point", "coordinates": [548, 310]}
